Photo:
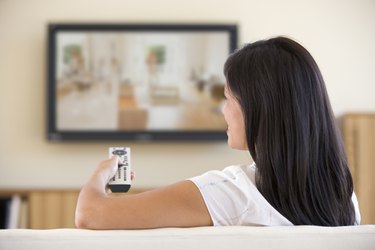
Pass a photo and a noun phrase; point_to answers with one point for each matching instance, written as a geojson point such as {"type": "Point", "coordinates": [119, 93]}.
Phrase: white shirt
{"type": "Point", "coordinates": [232, 198]}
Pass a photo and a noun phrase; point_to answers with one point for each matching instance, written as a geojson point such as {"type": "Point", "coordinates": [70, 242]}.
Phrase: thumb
{"type": "Point", "coordinates": [113, 166]}
{"type": "Point", "coordinates": [107, 169]}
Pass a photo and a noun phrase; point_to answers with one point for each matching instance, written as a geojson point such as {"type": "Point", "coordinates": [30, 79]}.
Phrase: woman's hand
{"type": "Point", "coordinates": [103, 174]}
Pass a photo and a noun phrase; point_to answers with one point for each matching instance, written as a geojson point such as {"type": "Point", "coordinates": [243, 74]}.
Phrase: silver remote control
{"type": "Point", "coordinates": [121, 182]}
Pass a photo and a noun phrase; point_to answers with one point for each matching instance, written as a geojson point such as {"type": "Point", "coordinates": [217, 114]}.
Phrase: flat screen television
{"type": "Point", "coordinates": [137, 81]}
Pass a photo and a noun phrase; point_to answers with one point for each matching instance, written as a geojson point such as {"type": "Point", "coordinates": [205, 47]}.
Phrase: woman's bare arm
{"type": "Point", "coordinates": [177, 205]}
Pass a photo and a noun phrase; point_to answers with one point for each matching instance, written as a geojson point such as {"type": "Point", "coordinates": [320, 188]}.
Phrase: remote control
{"type": "Point", "coordinates": [121, 182]}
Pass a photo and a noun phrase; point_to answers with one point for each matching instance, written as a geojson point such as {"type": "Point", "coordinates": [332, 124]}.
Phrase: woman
{"type": "Point", "coordinates": [278, 109]}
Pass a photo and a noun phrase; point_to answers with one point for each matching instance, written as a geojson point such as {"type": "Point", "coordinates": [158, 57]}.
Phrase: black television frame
{"type": "Point", "coordinates": [59, 135]}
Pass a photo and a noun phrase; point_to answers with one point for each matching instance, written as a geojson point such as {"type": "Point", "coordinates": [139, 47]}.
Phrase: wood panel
{"type": "Point", "coordinates": [359, 137]}
{"type": "Point", "coordinates": [36, 213]}
{"type": "Point", "coordinates": [69, 202]}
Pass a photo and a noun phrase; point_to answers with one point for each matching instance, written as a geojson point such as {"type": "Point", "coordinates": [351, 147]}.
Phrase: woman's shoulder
{"type": "Point", "coordinates": [233, 198]}
{"type": "Point", "coordinates": [241, 171]}
{"type": "Point", "coordinates": [232, 172]}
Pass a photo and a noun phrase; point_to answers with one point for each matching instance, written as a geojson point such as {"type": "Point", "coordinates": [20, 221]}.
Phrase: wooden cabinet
{"type": "Point", "coordinates": [359, 138]}
{"type": "Point", "coordinates": [52, 209]}
{"type": "Point", "coordinates": [47, 209]}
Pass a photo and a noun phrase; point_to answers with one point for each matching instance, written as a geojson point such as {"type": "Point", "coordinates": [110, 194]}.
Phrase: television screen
{"type": "Point", "coordinates": [137, 81]}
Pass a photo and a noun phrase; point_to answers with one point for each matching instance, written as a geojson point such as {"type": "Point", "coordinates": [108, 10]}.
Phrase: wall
{"type": "Point", "coordinates": [340, 34]}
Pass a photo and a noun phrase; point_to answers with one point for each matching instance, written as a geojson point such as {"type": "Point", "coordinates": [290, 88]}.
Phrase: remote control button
{"type": "Point", "coordinates": [119, 152]}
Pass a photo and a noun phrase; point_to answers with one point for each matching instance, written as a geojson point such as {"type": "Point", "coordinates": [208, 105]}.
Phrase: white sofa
{"type": "Point", "coordinates": [215, 238]}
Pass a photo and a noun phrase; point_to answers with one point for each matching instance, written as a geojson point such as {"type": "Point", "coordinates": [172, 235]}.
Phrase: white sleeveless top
{"type": "Point", "coordinates": [232, 198]}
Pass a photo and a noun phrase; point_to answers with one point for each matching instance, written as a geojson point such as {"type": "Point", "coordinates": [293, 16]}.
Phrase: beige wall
{"type": "Point", "coordinates": [340, 34]}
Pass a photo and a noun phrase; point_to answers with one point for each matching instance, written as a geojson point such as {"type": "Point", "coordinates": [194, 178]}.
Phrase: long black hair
{"type": "Point", "coordinates": [291, 132]}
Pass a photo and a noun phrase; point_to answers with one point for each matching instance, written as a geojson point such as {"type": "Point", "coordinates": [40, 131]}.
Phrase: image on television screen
{"type": "Point", "coordinates": [137, 80]}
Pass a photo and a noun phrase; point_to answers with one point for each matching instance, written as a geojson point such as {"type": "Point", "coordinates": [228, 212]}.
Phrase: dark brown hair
{"type": "Point", "coordinates": [291, 132]}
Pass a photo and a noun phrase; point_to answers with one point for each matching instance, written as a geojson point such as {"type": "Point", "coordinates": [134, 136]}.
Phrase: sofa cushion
{"type": "Point", "coordinates": [231, 237]}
